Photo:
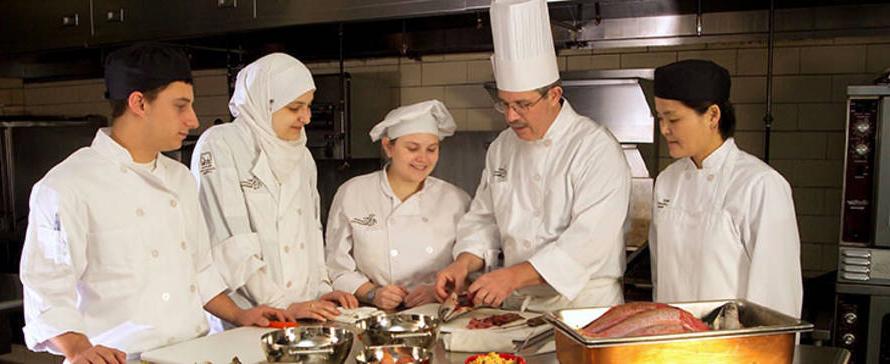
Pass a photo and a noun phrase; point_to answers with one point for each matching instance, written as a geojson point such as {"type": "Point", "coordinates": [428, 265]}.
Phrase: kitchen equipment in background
{"type": "Point", "coordinates": [340, 130]}
{"type": "Point", "coordinates": [862, 308]}
{"type": "Point", "coordinates": [766, 336]}
{"type": "Point", "coordinates": [29, 147]}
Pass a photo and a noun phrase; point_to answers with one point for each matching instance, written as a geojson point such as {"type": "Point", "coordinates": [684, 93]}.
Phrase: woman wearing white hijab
{"type": "Point", "coordinates": [390, 231]}
{"type": "Point", "coordinates": [258, 191]}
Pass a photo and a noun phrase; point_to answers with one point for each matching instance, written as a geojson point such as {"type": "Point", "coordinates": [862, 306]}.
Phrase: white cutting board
{"type": "Point", "coordinates": [477, 340]}
{"type": "Point", "coordinates": [243, 342]}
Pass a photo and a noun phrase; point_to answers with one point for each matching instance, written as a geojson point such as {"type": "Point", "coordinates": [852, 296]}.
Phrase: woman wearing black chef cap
{"type": "Point", "coordinates": [723, 221]}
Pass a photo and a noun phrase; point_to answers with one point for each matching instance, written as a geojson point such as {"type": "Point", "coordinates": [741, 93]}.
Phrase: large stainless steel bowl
{"type": "Point", "coordinates": [395, 354]}
{"type": "Point", "coordinates": [399, 329]}
{"type": "Point", "coordinates": [308, 344]}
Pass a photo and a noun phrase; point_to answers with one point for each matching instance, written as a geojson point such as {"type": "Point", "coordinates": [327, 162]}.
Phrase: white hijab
{"type": "Point", "coordinates": [262, 88]}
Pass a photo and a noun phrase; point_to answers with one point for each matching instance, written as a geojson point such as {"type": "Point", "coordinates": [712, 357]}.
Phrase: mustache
{"type": "Point", "coordinates": [517, 124]}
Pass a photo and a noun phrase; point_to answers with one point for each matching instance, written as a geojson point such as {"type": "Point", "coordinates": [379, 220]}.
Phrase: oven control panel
{"type": "Point", "coordinates": [858, 265]}
{"type": "Point", "coordinates": [851, 321]}
{"type": "Point", "coordinates": [858, 207]}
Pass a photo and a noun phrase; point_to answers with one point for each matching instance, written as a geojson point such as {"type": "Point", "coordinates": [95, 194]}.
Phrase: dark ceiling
{"type": "Point", "coordinates": [412, 37]}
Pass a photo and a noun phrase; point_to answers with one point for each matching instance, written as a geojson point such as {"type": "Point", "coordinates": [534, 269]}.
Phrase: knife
{"type": "Point", "coordinates": [531, 322]}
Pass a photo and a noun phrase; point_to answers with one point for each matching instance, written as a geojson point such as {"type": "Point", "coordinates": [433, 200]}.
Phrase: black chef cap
{"type": "Point", "coordinates": [692, 81]}
{"type": "Point", "coordinates": [142, 67]}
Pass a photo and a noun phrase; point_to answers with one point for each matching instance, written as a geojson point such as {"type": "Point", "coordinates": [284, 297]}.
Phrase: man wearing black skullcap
{"type": "Point", "coordinates": [117, 257]}
{"type": "Point", "coordinates": [723, 224]}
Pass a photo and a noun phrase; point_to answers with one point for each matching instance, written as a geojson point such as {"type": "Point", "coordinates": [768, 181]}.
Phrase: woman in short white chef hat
{"type": "Point", "coordinates": [390, 231]}
{"type": "Point", "coordinates": [723, 221]}
{"type": "Point", "coordinates": [258, 192]}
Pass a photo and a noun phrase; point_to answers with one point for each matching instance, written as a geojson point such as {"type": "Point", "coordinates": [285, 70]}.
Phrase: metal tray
{"type": "Point", "coordinates": [756, 320]}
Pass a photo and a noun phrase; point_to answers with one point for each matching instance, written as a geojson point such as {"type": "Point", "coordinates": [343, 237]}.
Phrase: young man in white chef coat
{"type": "Point", "coordinates": [555, 190]}
{"type": "Point", "coordinates": [117, 259]}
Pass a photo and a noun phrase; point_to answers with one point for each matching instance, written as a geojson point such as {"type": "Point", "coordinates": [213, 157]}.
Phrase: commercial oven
{"type": "Point", "coordinates": [862, 314]}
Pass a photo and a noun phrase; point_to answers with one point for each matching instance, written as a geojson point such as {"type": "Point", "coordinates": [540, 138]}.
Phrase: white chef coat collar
{"type": "Point", "coordinates": [387, 189]}
{"type": "Point", "coordinates": [108, 147]}
{"type": "Point", "coordinates": [559, 126]}
{"type": "Point", "coordinates": [717, 157]}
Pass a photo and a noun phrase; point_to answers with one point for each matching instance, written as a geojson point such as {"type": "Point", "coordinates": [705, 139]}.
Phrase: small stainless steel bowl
{"type": "Point", "coordinates": [376, 354]}
{"type": "Point", "coordinates": [399, 329]}
{"type": "Point", "coordinates": [308, 344]}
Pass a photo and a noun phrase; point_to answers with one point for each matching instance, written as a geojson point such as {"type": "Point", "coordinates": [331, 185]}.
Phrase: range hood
{"type": "Point", "coordinates": [617, 99]}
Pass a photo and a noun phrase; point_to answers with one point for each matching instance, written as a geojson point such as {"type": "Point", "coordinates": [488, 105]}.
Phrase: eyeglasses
{"type": "Point", "coordinates": [520, 107]}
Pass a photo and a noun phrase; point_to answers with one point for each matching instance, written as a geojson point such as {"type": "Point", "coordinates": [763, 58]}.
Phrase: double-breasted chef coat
{"type": "Point", "coordinates": [266, 236]}
{"type": "Point", "coordinates": [117, 252]}
{"type": "Point", "coordinates": [374, 236]}
{"type": "Point", "coordinates": [726, 231]}
{"type": "Point", "coordinates": [559, 203]}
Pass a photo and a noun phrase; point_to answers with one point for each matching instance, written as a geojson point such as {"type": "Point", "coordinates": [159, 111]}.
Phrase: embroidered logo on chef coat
{"type": "Point", "coordinates": [206, 163]}
{"type": "Point", "coordinates": [500, 174]}
{"type": "Point", "coordinates": [369, 220]}
{"type": "Point", "coordinates": [663, 203]}
{"type": "Point", "coordinates": [252, 183]}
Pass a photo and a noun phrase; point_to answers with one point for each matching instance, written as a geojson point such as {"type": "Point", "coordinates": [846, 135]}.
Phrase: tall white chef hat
{"type": "Point", "coordinates": [524, 58]}
{"type": "Point", "coordinates": [429, 117]}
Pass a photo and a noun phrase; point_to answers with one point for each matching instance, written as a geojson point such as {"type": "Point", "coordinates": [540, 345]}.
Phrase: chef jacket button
{"type": "Point", "coordinates": [299, 211]}
{"type": "Point", "coordinates": [527, 244]}
{"type": "Point", "coordinates": [263, 270]}
{"type": "Point", "coordinates": [123, 169]}
{"type": "Point", "coordinates": [172, 203]}
{"type": "Point", "coordinates": [140, 212]}
{"type": "Point", "coordinates": [688, 176]}
{"type": "Point", "coordinates": [429, 250]}
{"type": "Point", "coordinates": [289, 284]}
{"type": "Point", "coordinates": [394, 252]}
{"type": "Point", "coordinates": [165, 296]}
{"type": "Point", "coordinates": [183, 245]}
{"type": "Point", "coordinates": [537, 213]}
{"type": "Point", "coordinates": [710, 177]}
{"type": "Point", "coordinates": [155, 253]}
{"type": "Point", "coordinates": [548, 142]}
{"type": "Point", "coordinates": [537, 177]}
{"type": "Point", "coordinates": [286, 249]}
{"type": "Point", "coordinates": [424, 219]}
{"type": "Point", "coordinates": [302, 246]}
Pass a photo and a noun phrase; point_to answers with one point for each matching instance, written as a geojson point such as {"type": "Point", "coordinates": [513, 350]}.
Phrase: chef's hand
{"type": "Point", "coordinates": [260, 316]}
{"type": "Point", "coordinates": [421, 295]}
{"type": "Point", "coordinates": [389, 297]}
{"type": "Point", "coordinates": [491, 289]}
{"type": "Point", "coordinates": [78, 349]}
{"type": "Point", "coordinates": [99, 355]}
{"type": "Point", "coordinates": [454, 275]}
{"type": "Point", "coordinates": [317, 310]}
{"type": "Point", "coordinates": [344, 299]}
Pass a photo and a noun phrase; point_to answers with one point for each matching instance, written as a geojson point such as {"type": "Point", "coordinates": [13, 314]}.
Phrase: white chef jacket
{"type": "Point", "coordinates": [116, 252]}
{"type": "Point", "coordinates": [266, 236]}
{"type": "Point", "coordinates": [725, 231]}
{"type": "Point", "coordinates": [559, 203]}
{"type": "Point", "coordinates": [372, 235]}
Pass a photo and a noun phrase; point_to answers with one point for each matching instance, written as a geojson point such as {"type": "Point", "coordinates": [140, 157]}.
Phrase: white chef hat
{"type": "Point", "coordinates": [429, 117]}
{"type": "Point", "coordinates": [524, 58]}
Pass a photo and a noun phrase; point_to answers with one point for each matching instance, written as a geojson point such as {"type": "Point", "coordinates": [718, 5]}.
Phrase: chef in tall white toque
{"type": "Point", "coordinates": [555, 190]}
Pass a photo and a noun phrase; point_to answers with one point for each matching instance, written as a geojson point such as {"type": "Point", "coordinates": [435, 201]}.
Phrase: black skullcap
{"type": "Point", "coordinates": [144, 67]}
{"type": "Point", "coordinates": [692, 81]}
